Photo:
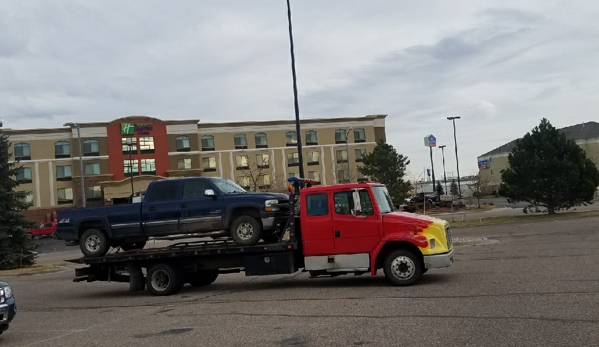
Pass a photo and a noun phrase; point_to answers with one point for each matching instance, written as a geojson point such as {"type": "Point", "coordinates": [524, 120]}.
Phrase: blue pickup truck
{"type": "Point", "coordinates": [203, 206]}
{"type": "Point", "coordinates": [8, 306]}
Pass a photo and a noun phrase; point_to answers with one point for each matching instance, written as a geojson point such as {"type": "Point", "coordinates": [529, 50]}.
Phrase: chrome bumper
{"type": "Point", "coordinates": [4, 312]}
{"type": "Point", "coordinates": [438, 260]}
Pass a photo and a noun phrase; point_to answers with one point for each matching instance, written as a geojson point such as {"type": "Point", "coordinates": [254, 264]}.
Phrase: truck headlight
{"type": "Point", "coordinates": [7, 292]}
{"type": "Point", "coordinates": [271, 205]}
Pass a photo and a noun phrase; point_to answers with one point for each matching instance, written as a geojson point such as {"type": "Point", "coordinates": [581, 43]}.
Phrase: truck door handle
{"type": "Point", "coordinates": [337, 233]}
{"type": "Point", "coordinates": [184, 205]}
{"type": "Point", "coordinates": [152, 208]}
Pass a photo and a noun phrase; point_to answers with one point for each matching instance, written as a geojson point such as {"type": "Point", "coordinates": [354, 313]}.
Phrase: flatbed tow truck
{"type": "Point", "coordinates": [331, 230]}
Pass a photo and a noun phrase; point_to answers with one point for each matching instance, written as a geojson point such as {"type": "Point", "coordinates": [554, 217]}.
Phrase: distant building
{"type": "Point", "coordinates": [492, 163]}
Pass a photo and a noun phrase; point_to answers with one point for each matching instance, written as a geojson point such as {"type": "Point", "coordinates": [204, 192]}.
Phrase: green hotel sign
{"type": "Point", "coordinates": [139, 128]}
{"type": "Point", "coordinates": [127, 128]}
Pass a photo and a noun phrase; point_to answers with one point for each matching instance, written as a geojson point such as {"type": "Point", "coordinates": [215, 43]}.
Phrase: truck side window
{"type": "Point", "coordinates": [317, 205]}
{"type": "Point", "coordinates": [344, 203]}
{"type": "Point", "coordinates": [195, 189]}
{"type": "Point", "coordinates": [163, 191]}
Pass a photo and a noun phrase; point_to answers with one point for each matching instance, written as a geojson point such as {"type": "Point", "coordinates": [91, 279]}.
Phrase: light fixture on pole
{"type": "Point", "coordinates": [347, 151]}
{"type": "Point", "coordinates": [76, 125]}
{"type": "Point", "coordinates": [444, 173]}
{"type": "Point", "coordinates": [430, 141]}
{"type": "Point", "coordinates": [456, 153]}
{"type": "Point", "coordinates": [295, 101]}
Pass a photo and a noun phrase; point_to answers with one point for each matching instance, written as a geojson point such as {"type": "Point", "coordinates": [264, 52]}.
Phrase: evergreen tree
{"type": "Point", "coordinates": [440, 189]}
{"type": "Point", "coordinates": [16, 247]}
{"type": "Point", "coordinates": [386, 166]}
{"type": "Point", "coordinates": [453, 188]}
{"type": "Point", "coordinates": [548, 170]}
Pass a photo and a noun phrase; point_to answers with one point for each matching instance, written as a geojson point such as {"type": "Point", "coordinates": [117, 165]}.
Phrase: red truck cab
{"type": "Point", "coordinates": [353, 228]}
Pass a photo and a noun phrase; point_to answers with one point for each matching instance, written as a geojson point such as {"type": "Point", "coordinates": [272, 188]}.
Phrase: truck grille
{"type": "Point", "coordinates": [448, 236]}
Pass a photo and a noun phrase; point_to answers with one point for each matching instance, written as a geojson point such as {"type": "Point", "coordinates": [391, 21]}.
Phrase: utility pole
{"type": "Point", "coordinates": [444, 173]}
{"type": "Point", "coordinates": [295, 101]}
{"type": "Point", "coordinates": [456, 153]}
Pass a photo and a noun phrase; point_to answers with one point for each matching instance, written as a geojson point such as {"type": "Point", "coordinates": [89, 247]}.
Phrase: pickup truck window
{"type": "Point", "coordinates": [163, 191]}
{"type": "Point", "coordinates": [195, 189]}
{"type": "Point", "coordinates": [344, 202]}
{"type": "Point", "coordinates": [317, 204]}
{"type": "Point", "coordinates": [227, 186]}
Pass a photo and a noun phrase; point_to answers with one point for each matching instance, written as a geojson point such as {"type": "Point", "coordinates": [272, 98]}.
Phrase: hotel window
{"type": "Point", "coordinates": [262, 160]}
{"type": "Point", "coordinates": [148, 166]}
{"type": "Point", "coordinates": [360, 153]}
{"type": "Point", "coordinates": [243, 181]}
{"type": "Point", "coordinates": [146, 145]}
{"type": "Point", "coordinates": [183, 164]}
{"type": "Point", "coordinates": [65, 196]}
{"type": "Point", "coordinates": [22, 151]}
{"type": "Point", "coordinates": [291, 138]}
{"type": "Point", "coordinates": [24, 175]}
{"type": "Point", "coordinates": [293, 159]}
{"type": "Point", "coordinates": [131, 168]}
{"type": "Point", "coordinates": [311, 138]}
{"type": "Point", "coordinates": [341, 156]}
{"type": "Point", "coordinates": [182, 143]}
{"type": "Point", "coordinates": [342, 176]}
{"type": "Point", "coordinates": [242, 162]}
{"type": "Point", "coordinates": [93, 193]}
{"type": "Point", "coordinates": [129, 145]}
{"type": "Point", "coordinates": [264, 182]}
{"type": "Point", "coordinates": [63, 173]}
{"type": "Point", "coordinates": [241, 141]}
{"type": "Point", "coordinates": [261, 140]}
{"type": "Point", "coordinates": [340, 136]}
{"type": "Point", "coordinates": [313, 158]}
{"type": "Point", "coordinates": [359, 135]}
{"type": "Point", "coordinates": [25, 197]}
{"type": "Point", "coordinates": [208, 143]}
{"type": "Point", "coordinates": [209, 164]}
{"type": "Point", "coordinates": [291, 174]}
{"type": "Point", "coordinates": [91, 148]}
{"type": "Point", "coordinates": [62, 149]}
{"type": "Point", "coordinates": [314, 175]}
{"type": "Point", "coordinates": [92, 169]}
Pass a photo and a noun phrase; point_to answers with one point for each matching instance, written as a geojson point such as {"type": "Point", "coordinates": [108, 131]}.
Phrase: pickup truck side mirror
{"type": "Point", "coordinates": [209, 192]}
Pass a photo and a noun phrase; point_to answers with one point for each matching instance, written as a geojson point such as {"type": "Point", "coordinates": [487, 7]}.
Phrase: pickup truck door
{"type": "Point", "coordinates": [355, 234]}
{"type": "Point", "coordinates": [201, 209]}
{"type": "Point", "coordinates": [160, 209]}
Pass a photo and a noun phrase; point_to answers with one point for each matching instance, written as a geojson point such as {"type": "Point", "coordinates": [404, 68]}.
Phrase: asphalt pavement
{"type": "Point", "coordinates": [528, 284]}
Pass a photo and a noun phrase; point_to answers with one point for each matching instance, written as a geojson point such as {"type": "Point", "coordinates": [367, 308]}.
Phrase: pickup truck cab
{"type": "Point", "coordinates": [197, 205]}
{"type": "Point", "coordinates": [8, 306]}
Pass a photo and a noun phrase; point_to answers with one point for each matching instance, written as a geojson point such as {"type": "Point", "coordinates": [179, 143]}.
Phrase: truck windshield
{"type": "Point", "coordinates": [383, 199]}
{"type": "Point", "coordinates": [226, 186]}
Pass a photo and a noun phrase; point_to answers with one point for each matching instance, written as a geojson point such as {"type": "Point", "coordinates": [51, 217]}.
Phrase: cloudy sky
{"type": "Point", "coordinates": [500, 65]}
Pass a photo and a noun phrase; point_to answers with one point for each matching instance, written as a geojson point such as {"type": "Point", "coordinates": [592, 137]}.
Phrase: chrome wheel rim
{"type": "Point", "coordinates": [245, 231]}
{"type": "Point", "coordinates": [92, 243]}
{"type": "Point", "coordinates": [160, 280]}
{"type": "Point", "coordinates": [403, 267]}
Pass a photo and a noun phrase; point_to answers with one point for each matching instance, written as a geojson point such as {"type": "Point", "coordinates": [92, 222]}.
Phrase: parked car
{"type": "Point", "coordinates": [205, 206]}
{"type": "Point", "coordinates": [431, 197]}
{"type": "Point", "coordinates": [8, 306]}
{"type": "Point", "coordinates": [43, 229]}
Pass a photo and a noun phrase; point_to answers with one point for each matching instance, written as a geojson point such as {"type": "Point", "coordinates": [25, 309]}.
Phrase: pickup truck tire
{"type": "Point", "coordinates": [164, 279]}
{"type": "Point", "coordinates": [246, 230]}
{"type": "Point", "coordinates": [203, 278]}
{"type": "Point", "coordinates": [132, 246]}
{"type": "Point", "coordinates": [402, 267]}
{"type": "Point", "coordinates": [93, 243]}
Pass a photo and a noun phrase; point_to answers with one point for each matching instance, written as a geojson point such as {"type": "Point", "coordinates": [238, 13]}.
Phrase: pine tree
{"type": "Point", "coordinates": [453, 189]}
{"type": "Point", "coordinates": [16, 246]}
{"type": "Point", "coordinates": [548, 170]}
{"type": "Point", "coordinates": [440, 189]}
{"type": "Point", "coordinates": [386, 166]}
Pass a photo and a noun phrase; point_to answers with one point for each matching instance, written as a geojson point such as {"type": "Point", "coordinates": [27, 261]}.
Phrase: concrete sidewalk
{"type": "Point", "coordinates": [499, 212]}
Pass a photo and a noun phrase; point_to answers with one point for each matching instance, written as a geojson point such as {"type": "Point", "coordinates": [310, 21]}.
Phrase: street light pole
{"type": "Point", "coordinates": [347, 150]}
{"type": "Point", "coordinates": [130, 144]}
{"type": "Point", "coordinates": [444, 173]}
{"type": "Point", "coordinates": [76, 125]}
{"type": "Point", "coordinates": [456, 153]}
{"type": "Point", "coordinates": [295, 101]}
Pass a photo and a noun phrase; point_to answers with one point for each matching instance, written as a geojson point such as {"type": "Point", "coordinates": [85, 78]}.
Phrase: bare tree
{"type": "Point", "coordinates": [480, 186]}
{"type": "Point", "coordinates": [258, 178]}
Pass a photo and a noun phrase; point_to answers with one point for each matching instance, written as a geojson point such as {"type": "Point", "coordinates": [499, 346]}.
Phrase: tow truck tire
{"type": "Point", "coordinates": [402, 267]}
{"type": "Point", "coordinates": [164, 279]}
{"type": "Point", "coordinates": [132, 246]}
{"type": "Point", "coordinates": [246, 230]}
{"type": "Point", "coordinates": [203, 278]}
{"type": "Point", "coordinates": [93, 243]}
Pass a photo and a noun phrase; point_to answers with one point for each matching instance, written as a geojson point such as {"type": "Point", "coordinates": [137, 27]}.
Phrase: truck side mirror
{"type": "Point", "coordinates": [209, 192]}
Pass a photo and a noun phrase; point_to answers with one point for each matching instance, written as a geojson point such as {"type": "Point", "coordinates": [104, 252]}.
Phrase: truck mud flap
{"type": "Point", "coordinates": [269, 264]}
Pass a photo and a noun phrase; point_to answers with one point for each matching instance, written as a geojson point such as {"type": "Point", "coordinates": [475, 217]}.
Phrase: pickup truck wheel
{"type": "Point", "coordinates": [164, 279]}
{"type": "Point", "coordinates": [402, 267]}
{"type": "Point", "coordinates": [94, 243]}
{"type": "Point", "coordinates": [246, 230]}
{"type": "Point", "coordinates": [203, 278]}
{"type": "Point", "coordinates": [132, 246]}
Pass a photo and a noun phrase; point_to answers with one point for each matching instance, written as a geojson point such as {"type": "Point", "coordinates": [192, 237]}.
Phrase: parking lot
{"type": "Point", "coordinates": [532, 284]}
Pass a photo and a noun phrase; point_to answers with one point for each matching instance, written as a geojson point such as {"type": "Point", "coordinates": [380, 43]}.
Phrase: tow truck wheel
{"type": "Point", "coordinates": [246, 230]}
{"type": "Point", "coordinates": [203, 278]}
{"type": "Point", "coordinates": [402, 267]}
{"type": "Point", "coordinates": [93, 243]}
{"type": "Point", "coordinates": [164, 279]}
